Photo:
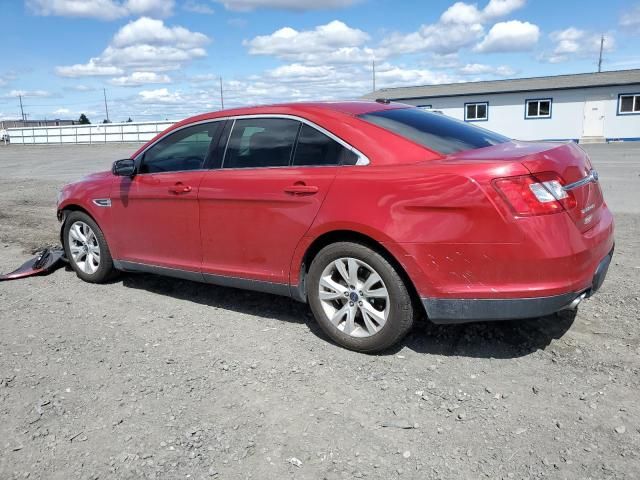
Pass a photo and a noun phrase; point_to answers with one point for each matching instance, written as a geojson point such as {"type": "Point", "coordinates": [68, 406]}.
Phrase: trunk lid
{"type": "Point", "coordinates": [580, 180]}
{"type": "Point", "coordinates": [567, 160]}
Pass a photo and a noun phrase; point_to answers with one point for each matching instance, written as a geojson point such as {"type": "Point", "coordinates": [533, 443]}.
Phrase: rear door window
{"type": "Point", "coordinates": [434, 130]}
{"type": "Point", "coordinates": [314, 148]}
{"type": "Point", "coordinates": [261, 142]}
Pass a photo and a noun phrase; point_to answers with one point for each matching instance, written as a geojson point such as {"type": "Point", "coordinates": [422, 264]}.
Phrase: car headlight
{"type": "Point", "coordinates": [58, 198]}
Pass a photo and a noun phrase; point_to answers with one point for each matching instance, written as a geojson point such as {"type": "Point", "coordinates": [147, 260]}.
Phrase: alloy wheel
{"type": "Point", "coordinates": [354, 297]}
{"type": "Point", "coordinates": [84, 247]}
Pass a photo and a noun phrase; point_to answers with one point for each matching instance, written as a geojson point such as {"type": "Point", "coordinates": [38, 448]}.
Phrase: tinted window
{"type": "Point", "coordinates": [261, 142]}
{"type": "Point", "coordinates": [185, 149]}
{"type": "Point", "coordinates": [629, 103]}
{"type": "Point", "coordinates": [626, 104]}
{"type": "Point", "coordinates": [315, 148]}
{"type": "Point", "coordinates": [545, 108]}
{"type": "Point", "coordinates": [434, 130]}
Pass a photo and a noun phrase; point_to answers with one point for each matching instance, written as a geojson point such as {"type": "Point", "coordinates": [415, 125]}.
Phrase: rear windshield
{"type": "Point", "coordinates": [434, 130]}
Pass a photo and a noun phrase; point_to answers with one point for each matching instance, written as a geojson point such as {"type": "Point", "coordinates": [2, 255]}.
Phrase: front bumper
{"type": "Point", "coordinates": [464, 310]}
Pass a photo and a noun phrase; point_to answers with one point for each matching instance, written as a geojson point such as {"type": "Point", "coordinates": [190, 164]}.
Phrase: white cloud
{"type": "Point", "coordinates": [461, 12]}
{"type": "Point", "coordinates": [143, 45]}
{"type": "Point", "coordinates": [567, 41]}
{"type": "Point", "coordinates": [204, 78]}
{"type": "Point", "coordinates": [101, 9]}
{"type": "Point", "coordinates": [149, 31]}
{"type": "Point", "coordinates": [27, 93]}
{"type": "Point", "coordinates": [62, 111]}
{"type": "Point", "coordinates": [161, 95]}
{"type": "Point", "coordinates": [573, 42]}
{"type": "Point", "coordinates": [334, 39]}
{"type": "Point", "coordinates": [140, 78]}
{"type": "Point", "coordinates": [153, 8]}
{"type": "Point", "coordinates": [198, 7]}
{"type": "Point", "coordinates": [510, 36]}
{"type": "Point", "coordinates": [631, 20]}
{"type": "Point", "coordinates": [248, 5]}
{"type": "Point", "coordinates": [502, 8]}
{"type": "Point", "coordinates": [475, 69]}
{"type": "Point", "coordinates": [298, 72]}
{"type": "Point", "coordinates": [439, 38]}
{"type": "Point", "coordinates": [286, 83]}
{"type": "Point", "coordinates": [81, 88]}
{"type": "Point", "coordinates": [392, 76]}
{"type": "Point", "coordinates": [91, 69]}
{"type": "Point", "coordinates": [461, 25]}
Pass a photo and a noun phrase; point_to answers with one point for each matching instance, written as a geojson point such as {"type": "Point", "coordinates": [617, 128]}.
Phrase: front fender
{"type": "Point", "coordinates": [82, 196]}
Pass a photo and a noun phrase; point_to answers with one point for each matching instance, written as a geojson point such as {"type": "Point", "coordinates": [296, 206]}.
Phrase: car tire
{"type": "Point", "coordinates": [86, 248]}
{"type": "Point", "coordinates": [361, 318]}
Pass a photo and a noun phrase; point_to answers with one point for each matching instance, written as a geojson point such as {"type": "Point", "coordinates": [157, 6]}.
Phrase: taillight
{"type": "Point", "coordinates": [538, 194]}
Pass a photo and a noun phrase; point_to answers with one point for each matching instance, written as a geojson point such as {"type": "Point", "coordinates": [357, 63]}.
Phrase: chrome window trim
{"type": "Point", "coordinates": [226, 145]}
{"type": "Point", "coordinates": [592, 177]}
{"type": "Point", "coordinates": [362, 158]}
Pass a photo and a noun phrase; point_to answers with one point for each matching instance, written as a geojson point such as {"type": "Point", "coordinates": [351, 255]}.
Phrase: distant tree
{"type": "Point", "coordinates": [83, 120]}
{"type": "Point", "coordinates": [129, 121]}
{"type": "Point", "coordinates": [106, 121]}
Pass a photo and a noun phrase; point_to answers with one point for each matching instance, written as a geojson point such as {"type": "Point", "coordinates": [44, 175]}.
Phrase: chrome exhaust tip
{"type": "Point", "coordinates": [574, 305]}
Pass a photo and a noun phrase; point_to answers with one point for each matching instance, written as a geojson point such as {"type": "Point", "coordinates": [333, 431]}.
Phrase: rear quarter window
{"type": "Point", "coordinates": [434, 130]}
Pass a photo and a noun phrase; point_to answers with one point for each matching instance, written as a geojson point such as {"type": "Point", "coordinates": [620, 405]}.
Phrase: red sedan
{"type": "Point", "coordinates": [372, 212]}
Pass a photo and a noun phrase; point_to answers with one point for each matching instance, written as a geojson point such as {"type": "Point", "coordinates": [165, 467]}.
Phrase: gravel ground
{"type": "Point", "coordinates": [149, 377]}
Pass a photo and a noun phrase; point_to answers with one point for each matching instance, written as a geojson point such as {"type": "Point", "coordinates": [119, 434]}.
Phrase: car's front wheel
{"type": "Point", "coordinates": [358, 297]}
{"type": "Point", "coordinates": [86, 248]}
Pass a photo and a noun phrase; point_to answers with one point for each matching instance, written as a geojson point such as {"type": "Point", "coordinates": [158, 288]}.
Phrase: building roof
{"type": "Point", "coordinates": [557, 82]}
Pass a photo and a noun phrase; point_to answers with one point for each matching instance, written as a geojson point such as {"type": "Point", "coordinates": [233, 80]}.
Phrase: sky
{"type": "Point", "coordinates": [163, 59]}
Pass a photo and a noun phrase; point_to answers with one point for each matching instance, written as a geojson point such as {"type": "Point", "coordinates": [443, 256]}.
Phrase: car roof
{"type": "Point", "coordinates": [351, 108]}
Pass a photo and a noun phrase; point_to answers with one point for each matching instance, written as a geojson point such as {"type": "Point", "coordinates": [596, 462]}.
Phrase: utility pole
{"type": "Point", "coordinates": [106, 108]}
{"type": "Point", "coordinates": [21, 109]}
{"type": "Point", "coordinates": [221, 95]}
{"type": "Point", "coordinates": [600, 58]}
{"type": "Point", "coordinates": [373, 69]}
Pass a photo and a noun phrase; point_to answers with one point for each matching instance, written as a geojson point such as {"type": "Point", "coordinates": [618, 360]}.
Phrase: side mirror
{"type": "Point", "coordinates": [124, 168]}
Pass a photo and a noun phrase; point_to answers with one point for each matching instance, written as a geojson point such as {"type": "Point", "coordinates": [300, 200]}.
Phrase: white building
{"type": "Point", "coordinates": [587, 107]}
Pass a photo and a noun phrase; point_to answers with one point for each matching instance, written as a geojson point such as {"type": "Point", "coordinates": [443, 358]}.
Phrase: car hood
{"type": "Point", "coordinates": [96, 176]}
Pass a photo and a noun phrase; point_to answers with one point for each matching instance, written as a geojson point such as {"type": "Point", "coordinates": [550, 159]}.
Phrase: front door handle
{"type": "Point", "coordinates": [180, 188]}
{"type": "Point", "coordinates": [301, 189]}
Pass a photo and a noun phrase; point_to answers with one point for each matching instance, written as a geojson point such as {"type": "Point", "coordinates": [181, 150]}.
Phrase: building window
{"type": "Point", "coordinates": [629, 104]}
{"type": "Point", "coordinates": [476, 112]}
{"type": "Point", "coordinates": [538, 108]}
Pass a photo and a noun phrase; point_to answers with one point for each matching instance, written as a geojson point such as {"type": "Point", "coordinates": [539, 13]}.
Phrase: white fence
{"type": "Point", "coordinates": [87, 134]}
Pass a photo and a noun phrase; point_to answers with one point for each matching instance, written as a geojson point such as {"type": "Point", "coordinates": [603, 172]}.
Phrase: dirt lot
{"type": "Point", "coordinates": [150, 377]}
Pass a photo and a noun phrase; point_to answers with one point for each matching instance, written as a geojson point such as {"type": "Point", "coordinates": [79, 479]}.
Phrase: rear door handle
{"type": "Point", "coordinates": [301, 189]}
{"type": "Point", "coordinates": [180, 188]}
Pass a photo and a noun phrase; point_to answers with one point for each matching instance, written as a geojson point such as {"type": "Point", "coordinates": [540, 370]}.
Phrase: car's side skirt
{"type": "Point", "coordinates": [221, 280]}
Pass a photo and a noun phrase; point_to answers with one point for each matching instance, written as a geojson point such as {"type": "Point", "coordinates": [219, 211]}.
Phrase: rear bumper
{"type": "Point", "coordinates": [464, 310]}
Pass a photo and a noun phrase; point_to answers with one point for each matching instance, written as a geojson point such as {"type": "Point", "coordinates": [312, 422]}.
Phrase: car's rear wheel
{"type": "Point", "coordinates": [86, 248]}
{"type": "Point", "coordinates": [358, 297]}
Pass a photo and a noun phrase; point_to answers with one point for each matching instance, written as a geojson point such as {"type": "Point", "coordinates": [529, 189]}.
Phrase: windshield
{"type": "Point", "coordinates": [434, 130]}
